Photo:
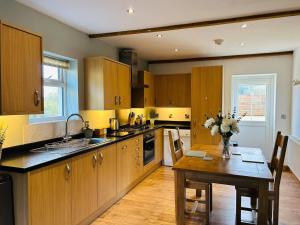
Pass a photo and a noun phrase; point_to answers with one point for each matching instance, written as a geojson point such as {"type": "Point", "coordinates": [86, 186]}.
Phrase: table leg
{"type": "Point", "coordinates": [262, 217]}
{"type": "Point", "coordinates": [179, 197]}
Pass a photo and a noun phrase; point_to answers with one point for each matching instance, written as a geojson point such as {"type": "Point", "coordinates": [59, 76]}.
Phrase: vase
{"type": "Point", "coordinates": [225, 147]}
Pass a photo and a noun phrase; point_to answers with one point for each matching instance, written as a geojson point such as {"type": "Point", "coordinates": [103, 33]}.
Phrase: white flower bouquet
{"type": "Point", "coordinates": [225, 125]}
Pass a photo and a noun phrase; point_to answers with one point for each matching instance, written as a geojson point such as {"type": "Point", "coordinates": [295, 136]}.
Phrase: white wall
{"type": "Point", "coordinates": [294, 142]}
{"type": "Point", "coordinates": [280, 65]}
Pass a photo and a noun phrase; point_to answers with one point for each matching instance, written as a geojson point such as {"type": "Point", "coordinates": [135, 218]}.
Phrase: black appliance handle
{"type": "Point", "coordinates": [149, 140]}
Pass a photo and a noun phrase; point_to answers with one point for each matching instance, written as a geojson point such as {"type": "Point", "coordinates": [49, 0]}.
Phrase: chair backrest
{"type": "Point", "coordinates": [175, 145]}
{"type": "Point", "coordinates": [278, 156]}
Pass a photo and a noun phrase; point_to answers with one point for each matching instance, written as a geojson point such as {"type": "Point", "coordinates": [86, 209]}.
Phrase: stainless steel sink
{"type": "Point", "coordinates": [67, 147]}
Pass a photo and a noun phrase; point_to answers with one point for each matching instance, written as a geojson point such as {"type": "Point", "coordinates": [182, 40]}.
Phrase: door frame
{"type": "Point", "coordinates": [270, 80]}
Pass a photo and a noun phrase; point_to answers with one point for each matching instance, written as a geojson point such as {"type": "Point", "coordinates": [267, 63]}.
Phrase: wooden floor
{"type": "Point", "coordinates": [152, 202]}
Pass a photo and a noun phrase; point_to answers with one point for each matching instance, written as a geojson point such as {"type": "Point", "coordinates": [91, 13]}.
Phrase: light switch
{"type": "Point", "coordinates": [283, 116]}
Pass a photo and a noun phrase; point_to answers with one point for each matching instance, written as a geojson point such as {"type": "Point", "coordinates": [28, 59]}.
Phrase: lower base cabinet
{"type": "Point", "coordinates": [50, 195]}
{"type": "Point", "coordinates": [84, 186]}
{"type": "Point", "coordinates": [74, 191]}
{"type": "Point", "coordinates": [107, 175]}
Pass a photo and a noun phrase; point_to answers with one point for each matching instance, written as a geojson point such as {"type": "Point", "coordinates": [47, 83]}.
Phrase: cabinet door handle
{"type": "Point", "coordinates": [68, 170]}
{"type": "Point", "coordinates": [116, 100]}
{"type": "Point", "coordinates": [195, 122]}
{"type": "Point", "coordinates": [137, 140]}
{"type": "Point", "coordinates": [94, 160]}
{"type": "Point", "coordinates": [101, 158]}
{"type": "Point", "coordinates": [37, 97]}
{"type": "Point", "coordinates": [195, 134]}
{"type": "Point", "coordinates": [119, 100]}
{"type": "Point", "coordinates": [124, 147]}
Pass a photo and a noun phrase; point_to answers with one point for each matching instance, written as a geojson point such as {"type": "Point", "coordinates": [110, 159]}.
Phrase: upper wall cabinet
{"type": "Point", "coordinates": [173, 90]}
{"type": "Point", "coordinates": [107, 84]}
{"type": "Point", "coordinates": [21, 71]}
{"type": "Point", "coordinates": [144, 94]}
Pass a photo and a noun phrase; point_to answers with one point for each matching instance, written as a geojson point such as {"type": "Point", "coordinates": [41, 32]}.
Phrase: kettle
{"type": "Point", "coordinates": [114, 124]}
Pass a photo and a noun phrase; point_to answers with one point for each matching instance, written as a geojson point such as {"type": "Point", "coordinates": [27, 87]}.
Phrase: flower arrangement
{"type": "Point", "coordinates": [225, 125]}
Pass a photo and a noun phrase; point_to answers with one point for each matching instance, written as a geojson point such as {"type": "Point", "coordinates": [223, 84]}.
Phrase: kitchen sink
{"type": "Point", "coordinates": [67, 147]}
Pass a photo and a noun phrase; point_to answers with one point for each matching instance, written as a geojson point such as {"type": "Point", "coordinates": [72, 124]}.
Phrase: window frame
{"type": "Point", "coordinates": [60, 82]}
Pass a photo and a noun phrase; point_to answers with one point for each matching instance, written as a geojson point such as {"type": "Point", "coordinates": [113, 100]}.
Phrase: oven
{"type": "Point", "coordinates": [149, 147]}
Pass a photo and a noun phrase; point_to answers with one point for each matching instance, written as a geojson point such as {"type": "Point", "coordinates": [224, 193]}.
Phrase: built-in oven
{"type": "Point", "coordinates": [149, 147]}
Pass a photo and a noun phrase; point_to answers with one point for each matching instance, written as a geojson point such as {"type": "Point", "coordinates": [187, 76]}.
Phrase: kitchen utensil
{"type": "Point", "coordinates": [114, 124]}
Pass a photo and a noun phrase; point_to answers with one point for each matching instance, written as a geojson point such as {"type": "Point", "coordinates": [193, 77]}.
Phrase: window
{"type": "Point", "coordinates": [252, 101]}
{"type": "Point", "coordinates": [58, 81]}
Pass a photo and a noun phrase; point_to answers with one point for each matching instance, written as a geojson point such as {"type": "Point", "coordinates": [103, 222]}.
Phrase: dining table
{"type": "Point", "coordinates": [247, 167]}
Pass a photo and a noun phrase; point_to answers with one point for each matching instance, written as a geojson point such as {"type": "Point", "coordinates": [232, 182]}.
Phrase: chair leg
{"type": "Point", "coordinates": [207, 204]}
{"type": "Point", "coordinates": [198, 193]}
{"type": "Point", "coordinates": [276, 211]}
{"type": "Point", "coordinates": [238, 208]}
{"type": "Point", "coordinates": [270, 211]}
{"type": "Point", "coordinates": [211, 197]}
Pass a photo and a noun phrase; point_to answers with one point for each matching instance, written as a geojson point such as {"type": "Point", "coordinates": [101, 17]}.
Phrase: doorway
{"type": "Point", "coordinates": [255, 95]}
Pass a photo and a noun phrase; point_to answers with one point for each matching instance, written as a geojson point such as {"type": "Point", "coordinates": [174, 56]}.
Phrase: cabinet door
{"type": "Point", "coordinates": [21, 72]}
{"type": "Point", "coordinates": [124, 161]}
{"type": "Point", "coordinates": [206, 101]}
{"type": "Point", "coordinates": [84, 186]}
{"type": "Point", "coordinates": [161, 91]}
{"type": "Point", "coordinates": [124, 86]}
{"type": "Point", "coordinates": [50, 195]}
{"type": "Point", "coordinates": [149, 90]}
{"type": "Point", "coordinates": [110, 77]}
{"type": "Point", "coordinates": [158, 145]}
{"type": "Point", "coordinates": [107, 174]}
{"type": "Point", "coordinates": [180, 91]}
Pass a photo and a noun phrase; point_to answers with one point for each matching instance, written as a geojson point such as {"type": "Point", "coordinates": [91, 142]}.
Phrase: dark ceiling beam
{"type": "Point", "coordinates": [220, 57]}
{"type": "Point", "coordinates": [254, 17]}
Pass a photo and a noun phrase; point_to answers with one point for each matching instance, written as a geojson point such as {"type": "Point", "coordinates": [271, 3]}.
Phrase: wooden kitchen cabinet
{"type": "Point", "coordinates": [173, 90]}
{"type": "Point", "coordinates": [84, 186]}
{"type": "Point", "coordinates": [21, 71]}
{"type": "Point", "coordinates": [107, 84]}
{"type": "Point", "coordinates": [107, 174]}
{"type": "Point", "coordinates": [50, 195]}
{"type": "Point", "coordinates": [159, 145]}
{"type": "Point", "coordinates": [144, 94]}
{"type": "Point", "coordinates": [129, 162]}
{"type": "Point", "coordinates": [206, 92]}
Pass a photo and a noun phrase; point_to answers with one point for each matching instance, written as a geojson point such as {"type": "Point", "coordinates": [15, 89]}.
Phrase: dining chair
{"type": "Point", "coordinates": [176, 146]}
{"type": "Point", "coordinates": [276, 167]}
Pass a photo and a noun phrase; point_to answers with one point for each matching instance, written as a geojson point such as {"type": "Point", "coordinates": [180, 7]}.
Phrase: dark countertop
{"type": "Point", "coordinates": [22, 160]}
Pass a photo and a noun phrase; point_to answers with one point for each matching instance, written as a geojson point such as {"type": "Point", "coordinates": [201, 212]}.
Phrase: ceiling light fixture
{"type": "Point", "coordinates": [159, 36]}
{"type": "Point", "coordinates": [176, 49]}
{"type": "Point", "coordinates": [243, 26]}
{"type": "Point", "coordinates": [218, 41]}
{"type": "Point", "coordinates": [130, 11]}
{"type": "Point", "coordinates": [242, 43]}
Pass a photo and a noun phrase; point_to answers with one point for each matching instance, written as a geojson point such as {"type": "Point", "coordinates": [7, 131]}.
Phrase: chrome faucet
{"type": "Point", "coordinates": [67, 137]}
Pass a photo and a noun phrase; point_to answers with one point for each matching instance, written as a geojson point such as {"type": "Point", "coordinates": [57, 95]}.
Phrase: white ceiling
{"type": "Point", "coordinates": [98, 16]}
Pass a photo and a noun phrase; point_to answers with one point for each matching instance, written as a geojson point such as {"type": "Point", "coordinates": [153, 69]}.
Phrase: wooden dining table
{"type": "Point", "coordinates": [236, 171]}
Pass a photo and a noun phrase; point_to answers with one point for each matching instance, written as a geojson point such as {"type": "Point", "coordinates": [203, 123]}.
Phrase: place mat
{"type": "Point", "coordinates": [199, 154]}
{"type": "Point", "coordinates": [252, 158]}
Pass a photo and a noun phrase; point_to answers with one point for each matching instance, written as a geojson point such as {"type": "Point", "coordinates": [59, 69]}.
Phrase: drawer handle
{"type": "Point", "coordinates": [119, 100]}
{"type": "Point", "coordinates": [101, 158]}
{"type": "Point", "coordinates": [37, 98]}
{"type": "Point", "coordinates": [68, 171]}
{"type": "Point", "coordinates": [124, 147]}
{"type": "Point", "coordinates": [94, 160]}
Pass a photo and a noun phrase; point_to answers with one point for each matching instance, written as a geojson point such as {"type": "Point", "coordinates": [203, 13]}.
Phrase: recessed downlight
{"type": "Point", "coordinates": [242, 43]}
{"type": "Point", "coordinates": [243, 26]}
{"type": "Point", "coordinates": [159, 35]}
{"type": "Point", "coordinates": [176, 49]}
{"type": "Point", "coordinates": [130, 11]}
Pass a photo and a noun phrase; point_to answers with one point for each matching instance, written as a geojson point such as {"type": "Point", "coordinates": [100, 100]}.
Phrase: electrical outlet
{"type": "Point", "coordinates": [283, 116]}
{"type": "Point", "coordinates": [187, 116]}
{"type": "Point", "coordinates": [170, 116]}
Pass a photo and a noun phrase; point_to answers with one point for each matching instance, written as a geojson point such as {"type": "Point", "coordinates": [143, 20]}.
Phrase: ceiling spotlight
{"type": "Point", "coordinates": [159, 36]}
{"type": "Point", "coordinates": [176, 49]}
{"type": "Point", "coordinates": [243, 26]}
{"type": "Point", "coordinates": [219, 41]}
{"type": "Point", "coordinates": [242, 43]}
{"type": "Point", "coordinates": [130, 11]}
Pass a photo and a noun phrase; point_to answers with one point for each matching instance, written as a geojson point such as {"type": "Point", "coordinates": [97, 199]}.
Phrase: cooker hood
{"type": "Point", "coordinates": [129, 57]}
